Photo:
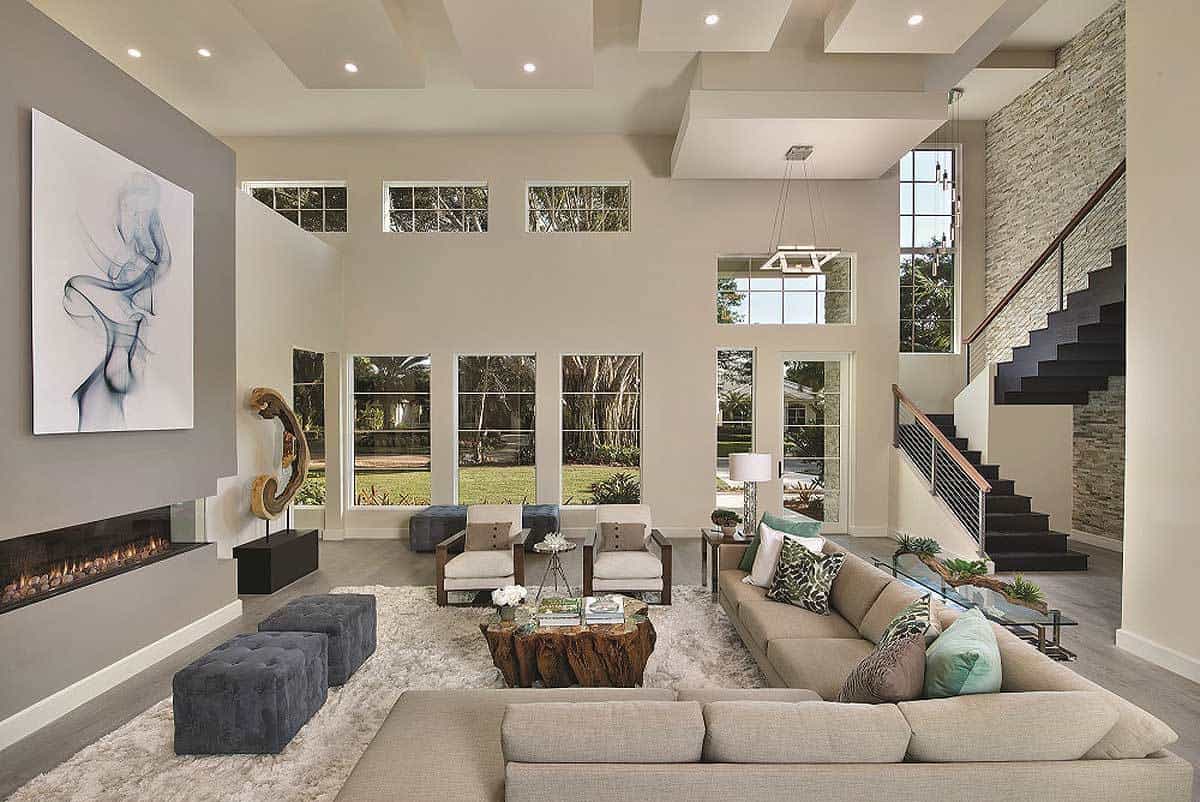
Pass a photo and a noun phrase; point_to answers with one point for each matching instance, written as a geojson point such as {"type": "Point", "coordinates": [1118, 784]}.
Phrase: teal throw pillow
{"type": "Point", "coordinates": [803, 578]}
{"type": "Point", "coordinates": [964, 659]}
{"type": "Point", "coordinates": [747, 563]}
{"type": "Point", "coordinates": [801, 527]}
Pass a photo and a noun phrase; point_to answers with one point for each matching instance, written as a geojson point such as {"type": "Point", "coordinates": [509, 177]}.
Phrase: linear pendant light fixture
{"type": "Point", "coordinates": [798, 259]}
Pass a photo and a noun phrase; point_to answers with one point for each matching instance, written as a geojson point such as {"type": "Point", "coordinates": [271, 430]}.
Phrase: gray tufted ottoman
{"type": "Point", "coordinates": [347, 618]}
{"type": "Point", "coordinates": [251, 694]}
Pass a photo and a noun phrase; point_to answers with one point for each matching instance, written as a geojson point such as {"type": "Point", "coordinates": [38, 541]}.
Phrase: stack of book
{"type": "Point", "coordinates": [559, 612]}
{"type": "Point", "coordinates": [603, 610]}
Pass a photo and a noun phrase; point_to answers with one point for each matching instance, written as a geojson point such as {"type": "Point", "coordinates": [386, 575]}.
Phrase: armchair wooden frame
{"type": "Point", "coordinates": [664, 549]}
{"type": "Point", "coordinates": [442, 556]}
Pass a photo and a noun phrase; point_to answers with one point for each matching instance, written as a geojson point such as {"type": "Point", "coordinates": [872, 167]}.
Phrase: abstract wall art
{"type": "Point", "coordinates": [112, 289]}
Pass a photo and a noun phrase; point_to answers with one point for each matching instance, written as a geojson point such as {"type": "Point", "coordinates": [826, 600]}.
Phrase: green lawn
{"type": "Point", "coordinates": [488, 484]}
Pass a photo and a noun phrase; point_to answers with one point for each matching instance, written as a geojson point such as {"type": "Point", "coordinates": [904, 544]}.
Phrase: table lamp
{"type": "Point", "coordinates": [749, 469]}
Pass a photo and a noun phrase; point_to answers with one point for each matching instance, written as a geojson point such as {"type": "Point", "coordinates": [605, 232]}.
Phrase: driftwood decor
{"type": "Point", "coordinates": [980, 581]}
{"type": "Point", "coordinates": [267, 501]}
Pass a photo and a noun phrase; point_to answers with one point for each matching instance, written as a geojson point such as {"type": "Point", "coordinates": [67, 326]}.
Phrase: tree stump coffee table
{"type": "Point", "coordinates": [592, 656]}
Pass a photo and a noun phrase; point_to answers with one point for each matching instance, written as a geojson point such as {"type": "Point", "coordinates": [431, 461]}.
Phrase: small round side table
{"type": "Point", "coordinates": [554, 568]}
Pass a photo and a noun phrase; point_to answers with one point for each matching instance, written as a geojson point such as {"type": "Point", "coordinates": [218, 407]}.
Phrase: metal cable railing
{"type": "Point", "coordinates": [948, 473]}
{"type": "Point", "coordinates": [1042, 291]}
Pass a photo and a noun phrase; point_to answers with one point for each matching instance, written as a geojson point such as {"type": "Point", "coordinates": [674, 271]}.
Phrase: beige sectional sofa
{"type": "Point", "coordinates": [1050, 735]}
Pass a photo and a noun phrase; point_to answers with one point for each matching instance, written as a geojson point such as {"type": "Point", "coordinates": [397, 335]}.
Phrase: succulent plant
{"type": "Point", "coordinates": [965, 568]}
{"type": "Point", "coordinates": [920, 546]}
{"type": "Point", "coordinates": [1021, 589]}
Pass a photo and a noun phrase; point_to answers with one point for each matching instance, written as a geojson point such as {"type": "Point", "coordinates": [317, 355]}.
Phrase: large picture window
{"type": "Point", "coordinates": [422, 207]}
{"type": "Point", "coordinates": [391, 430]}
{"type": "Point", "coordinates": [496, 396]}
{"type": "Point", "coordinates": [308, 402]}
{"type": "Point", "coordinates": [577, 207]}
{"type": "Point", "coordinates": [747, 294]}
{"type": "Point", "coordinates": [601, 429]}
{"type": "Point", "coordinates": [927, 252]}
{"type": "Point", "coordinates": [318, 206]}
{"type": "Point", "coordinates": [735, 419]}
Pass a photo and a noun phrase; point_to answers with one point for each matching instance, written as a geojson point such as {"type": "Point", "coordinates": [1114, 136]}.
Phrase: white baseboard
{"type": "Point", "coordinates": [1170, 659]}
{"type": "Point", "coordinates": [1100, 541]}
{"type": "Point", "coordinates": [58, 704]}
{"type": "Point", "coordinates": [333, 534]}
{"type": "Point", "coordinates": [870, 531]}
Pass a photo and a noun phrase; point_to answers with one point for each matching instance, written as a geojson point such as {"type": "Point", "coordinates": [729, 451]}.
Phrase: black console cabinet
{"type": "Point", "coordinates": [269, 563]}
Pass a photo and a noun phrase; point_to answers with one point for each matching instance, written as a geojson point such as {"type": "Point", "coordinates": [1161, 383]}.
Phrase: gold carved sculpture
{"type": "Point", "coordinates": [265, 501]}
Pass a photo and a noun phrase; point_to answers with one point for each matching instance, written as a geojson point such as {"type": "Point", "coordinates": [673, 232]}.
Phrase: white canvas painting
{"type": "Point", "coordinates": [112, 289]}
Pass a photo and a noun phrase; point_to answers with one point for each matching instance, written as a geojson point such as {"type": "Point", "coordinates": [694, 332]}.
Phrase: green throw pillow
{"type": "Point", "coordinates": [803, 578]}
{"type": "Point", "coordinates": [802, 527]}
{"type": "Point", "coordinates": [915, 618]}
{"type": "Point", "coordinates": [789, 526]}
{"type": "Point", "coordinates": [964, 659]}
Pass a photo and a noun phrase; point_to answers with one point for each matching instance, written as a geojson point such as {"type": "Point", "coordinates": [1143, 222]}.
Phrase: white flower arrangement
{"type": "Point", "coordinates": [556, 540]}
{"type": "Point", "coordinates": [509, 596]}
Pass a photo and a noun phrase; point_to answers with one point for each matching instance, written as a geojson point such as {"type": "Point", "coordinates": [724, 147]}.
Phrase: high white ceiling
{"type": "Point", "coordinates": [881, 26]}
{"type": "Point", "coordinates": [454, 66]}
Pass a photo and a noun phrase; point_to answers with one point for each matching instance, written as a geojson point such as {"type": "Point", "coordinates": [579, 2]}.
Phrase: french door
{"type": "Point", "coordinates": [815, 436]}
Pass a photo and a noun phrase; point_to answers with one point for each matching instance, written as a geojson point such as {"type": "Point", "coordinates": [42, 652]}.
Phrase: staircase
{"type": "Point", "coordinates": [1082, 346]}
{"type": "Point", "coordinates": [1016, 538]}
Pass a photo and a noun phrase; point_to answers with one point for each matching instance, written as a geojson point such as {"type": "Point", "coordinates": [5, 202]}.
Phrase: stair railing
{"type": "Point", "coordinates": [1056, 247]}
{"type": "Point", "coordinates": [949, 474]}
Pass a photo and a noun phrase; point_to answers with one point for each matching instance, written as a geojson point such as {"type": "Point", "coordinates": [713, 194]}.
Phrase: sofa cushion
{"type": "Point", "coordinates": [893, 672]}
{"type": "Point", "coordinates": [457, 754]}
{"type": "Point", "coordinates": [803, 732]}
{"type": "Point", "coordinates": [603, 732]}
{"type": "Point", "coordinates": [706, 695]}
{"type": "Point", "coordinates": [767, 621]}
{"type": "Point", "coordinates": [964, 659]}
{"type": "Point", "coordinates": [857, 587]}
{"type": "Point", "coordinates": [736, 591]}
{"type": "Point", "coordinates": [804, 578]}
{"type": "Point", "coordinates": [821, 664]}
{"type": "Point", "coordinates": [626, 565]}
{"type": "Point", "coordinates": [1136, 733]}
{"type": "Point", "coordinates": [891, 601]}
{"type": "Point", "coordinates": [1007, 727]}
{"type": "Point", "coordinates": [473, 564]}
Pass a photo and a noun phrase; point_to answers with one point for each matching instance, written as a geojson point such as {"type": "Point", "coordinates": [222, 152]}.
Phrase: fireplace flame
{"type": "Point", "coordinates": [46, 579]}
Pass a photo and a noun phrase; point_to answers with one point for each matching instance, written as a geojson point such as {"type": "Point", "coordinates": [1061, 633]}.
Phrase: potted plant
{"type": "Point", "coordinates": [727, 521]}
{"type": "Point", "coordinates": [507, 599]}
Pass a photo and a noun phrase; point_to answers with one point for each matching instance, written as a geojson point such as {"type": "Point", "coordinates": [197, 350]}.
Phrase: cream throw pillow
{"type": "Point", "coordinates": [770, 543]}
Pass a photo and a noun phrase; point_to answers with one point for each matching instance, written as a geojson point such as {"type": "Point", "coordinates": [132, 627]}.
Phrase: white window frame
{"type": "Point", "coordinates": [399, 184]}
{"type": "Point", "coordinates": [249, 186]}
{"type": "Point", "coordinates": [562, 394]}
{"type": "Point", "coordinates": [348, 440]}
{"type": "Point", "coordinates": [852, 256]}
{"type": "Point", "coordinates": [628, 185]}
{"type": "Point", "coordinates": [956, 334]}
{"type": "Point", "coordinates": [457, 467]}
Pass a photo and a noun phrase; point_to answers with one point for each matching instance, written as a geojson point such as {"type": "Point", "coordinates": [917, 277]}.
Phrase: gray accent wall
{"type": "Point", "coordinates": [1046, 153]}
{"type": "Point", "coordinates": [51, 481]}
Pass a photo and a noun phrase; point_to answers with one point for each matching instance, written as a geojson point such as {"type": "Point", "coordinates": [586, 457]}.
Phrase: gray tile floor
{"type": "Point", "coordinates": [1094, 598]}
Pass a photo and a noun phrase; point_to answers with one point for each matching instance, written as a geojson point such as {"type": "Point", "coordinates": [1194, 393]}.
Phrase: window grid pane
{"type": "Point", "coordinates": [735, 419]}
{"type": "Point", "coordinates": [601, 429]}
{"type": "Point", "coordinates": [436, 208]}
{"type": "Point", "coordinates": [316, 207]}
{"type": "Point", "coordinates": [391, 430]}
{"type": "Point", "coordinates": [578, 207]}
{"type": "Point", "coordinates": [308, 402]}
{"type": "Point", "coordinates": [747, 295]}
{"type": "Point", "coordinates": [927, 261]}
{"type": "Point", "coordinates": [496, 422]}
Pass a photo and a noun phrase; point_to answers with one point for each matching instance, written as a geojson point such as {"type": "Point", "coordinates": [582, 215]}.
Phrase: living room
{"type": "Point", "coordinates": [600, 301]}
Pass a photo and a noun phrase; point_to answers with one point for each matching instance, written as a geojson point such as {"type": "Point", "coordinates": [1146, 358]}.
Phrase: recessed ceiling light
{"type": "Point", "coordinates": [351, 66]}
{"type": "Point", "coordinates": [915, 20]}
{"type": "Point", "coordinates": [204, 52]}
{"type": "Point", "coordinates": [529, 67]}
{"type": "Point", "coordinates": [133, 51]}
{"type": "Point", "coordinates": [712, 19]}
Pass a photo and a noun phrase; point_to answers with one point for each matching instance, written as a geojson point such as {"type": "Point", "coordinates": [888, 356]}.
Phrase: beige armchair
{"type": "Point", "coordinates": [626, 570]}
{"type": "Point", "coordinates": [482, 569]}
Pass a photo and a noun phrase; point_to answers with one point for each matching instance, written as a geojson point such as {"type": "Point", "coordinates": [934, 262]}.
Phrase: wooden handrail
{"type": "Point", "coordinates": [929, 426]}
{"type": "Point", "coordinates": [1051, 249]}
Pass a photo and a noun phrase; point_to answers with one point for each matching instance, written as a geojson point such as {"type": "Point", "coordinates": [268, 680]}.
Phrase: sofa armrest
{"type": "Point", "coordinates": [664, 553]}
{"type": "Point", "coordinates": [589, 553]}
{"type": "Point", "coordinates": [518, 555]}
{"type": "Point", "coordinates": [444, 545]}
{"type": "Point", "coordinates": [521, 537]}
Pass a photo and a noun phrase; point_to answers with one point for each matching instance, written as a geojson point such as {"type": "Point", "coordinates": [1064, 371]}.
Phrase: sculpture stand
{"type": "Point", "coordinates": [279, 559]}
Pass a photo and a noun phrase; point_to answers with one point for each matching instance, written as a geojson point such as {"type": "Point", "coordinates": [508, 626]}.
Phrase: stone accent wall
{"type": "Point", "coordinates": [1046, 152]}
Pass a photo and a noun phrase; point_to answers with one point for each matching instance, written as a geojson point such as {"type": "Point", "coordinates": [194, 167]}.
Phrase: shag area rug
{"type": "Point", "coordinates": [420, 646]}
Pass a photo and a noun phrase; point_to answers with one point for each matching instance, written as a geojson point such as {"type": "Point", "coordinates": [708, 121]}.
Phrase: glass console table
{"type": "Point", "coordinates": [1043, 630]}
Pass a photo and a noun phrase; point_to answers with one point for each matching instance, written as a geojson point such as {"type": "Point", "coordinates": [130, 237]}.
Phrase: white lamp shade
{"type": "Point", "coordinates": [751, 467]}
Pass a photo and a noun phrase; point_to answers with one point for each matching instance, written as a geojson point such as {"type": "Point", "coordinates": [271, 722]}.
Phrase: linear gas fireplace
{"type": "Point", "coordinates": [35, 567]}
